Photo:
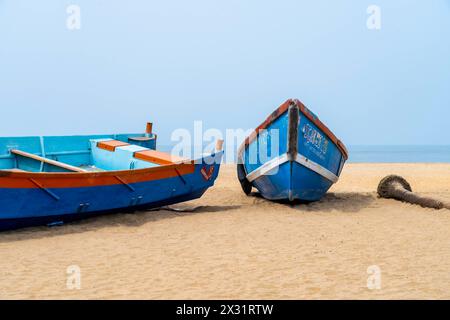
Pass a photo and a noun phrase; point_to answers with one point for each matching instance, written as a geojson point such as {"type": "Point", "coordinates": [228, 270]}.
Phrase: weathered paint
{"type": "Point", "coordinates": [302, 138]}
{"type": "Point", "coordinates": [62, 197]}
{"type": "Point", "coordinates": [281, 110]}
{"type": "Point", "coordinates": [32, 191]}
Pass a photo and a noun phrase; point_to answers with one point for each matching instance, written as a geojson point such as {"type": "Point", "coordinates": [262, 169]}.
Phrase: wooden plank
{"type": "Point", "coordinates": [111, 145]}
{"type": "Point", "coordinates": [158, 157]}
{"type": "Point", "coordinates": [46, 160]}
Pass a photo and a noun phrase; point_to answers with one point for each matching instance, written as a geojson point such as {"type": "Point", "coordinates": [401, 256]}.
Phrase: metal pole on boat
{"type": "Point", "coordinates": [294, 119]}
{"type": "Point", "coordinates": [396, 187]}
{"type": "Point", "coordinates": [149, 129]}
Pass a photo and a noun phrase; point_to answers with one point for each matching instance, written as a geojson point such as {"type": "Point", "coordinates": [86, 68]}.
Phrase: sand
{"type": "Point", "coordinates": [238, 247]}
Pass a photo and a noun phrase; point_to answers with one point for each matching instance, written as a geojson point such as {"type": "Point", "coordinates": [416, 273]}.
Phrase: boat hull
{"type": "Point", "coordinates": [31, 199]}
{"type": "Point", "coordinates": [292, 181]}
{"type": "Point", "coordinates": [305, 163]}
{"type": "Point", "coordinates": [59, 219]}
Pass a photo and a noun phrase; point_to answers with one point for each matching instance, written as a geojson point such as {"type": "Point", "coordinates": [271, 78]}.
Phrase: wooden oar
{"type": "Point", "coordinates": [46, 160]}
{"type": "Point", "coordinates": [396, 187]}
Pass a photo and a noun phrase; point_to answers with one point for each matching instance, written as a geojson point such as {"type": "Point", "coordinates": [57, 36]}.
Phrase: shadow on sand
{"type": "Point", "coordinates": [342, 201]}
{"type": "Point", "coordinates": [94, 223]}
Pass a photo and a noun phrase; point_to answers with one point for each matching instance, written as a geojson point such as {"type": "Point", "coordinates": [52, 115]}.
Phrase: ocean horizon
{"type": "Point", "coordinates": [387, 153]}
{"type": "Point", "coordinates": [399, 154]}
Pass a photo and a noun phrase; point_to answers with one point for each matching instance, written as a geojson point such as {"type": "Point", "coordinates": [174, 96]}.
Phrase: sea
{"type": "Point", "coordinates": [386, 154]}
{"type": "Point", "coordinates": [399, 154]}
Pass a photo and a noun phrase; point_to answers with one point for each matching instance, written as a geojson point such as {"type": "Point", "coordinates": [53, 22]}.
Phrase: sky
{"type": "Point", "coordinates": [228, 63]}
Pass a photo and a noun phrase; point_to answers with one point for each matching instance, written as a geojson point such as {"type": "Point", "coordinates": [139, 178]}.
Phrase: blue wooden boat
{"type": "Point", "coordinates": [291, 156]}
{"type": "Point", "coordinates": [52, 180]}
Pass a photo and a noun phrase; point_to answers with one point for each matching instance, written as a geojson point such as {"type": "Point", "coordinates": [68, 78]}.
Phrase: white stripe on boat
{"type": "Point", "coordinates": [327, 174]}
{"type": "Point", "coordinates": [278, 161]}
{"type": "Point", "coordinates": [267, 167]}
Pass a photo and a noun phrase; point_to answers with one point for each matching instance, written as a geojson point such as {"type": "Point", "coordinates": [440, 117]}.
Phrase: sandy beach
{"type": "Point", "coordinates": [239, 247]}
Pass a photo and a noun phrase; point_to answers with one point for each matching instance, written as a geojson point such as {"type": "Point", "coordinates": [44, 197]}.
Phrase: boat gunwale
{"type": "Point", "coordinates": [92, 174]}
{"type": "Point", "coordinates": [67, 180]}
{"type": "Point", "coordinates": [305, 111]}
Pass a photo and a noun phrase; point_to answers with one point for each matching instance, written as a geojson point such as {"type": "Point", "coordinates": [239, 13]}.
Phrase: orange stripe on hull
{"type": "Point", "coordinates": [25, 180]}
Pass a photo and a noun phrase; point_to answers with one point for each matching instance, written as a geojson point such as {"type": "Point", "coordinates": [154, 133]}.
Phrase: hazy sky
{"type": "Point", "coordinates": [228, 63]}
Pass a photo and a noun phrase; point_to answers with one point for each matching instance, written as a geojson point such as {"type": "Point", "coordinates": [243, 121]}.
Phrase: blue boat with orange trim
{"type": "Point", "coordinates": [55, 179]}
{"type": "Point", "coordinates": [291, 156]}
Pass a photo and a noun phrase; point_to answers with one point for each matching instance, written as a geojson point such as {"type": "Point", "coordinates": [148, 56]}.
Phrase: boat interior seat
{"type": "Point", "coordinates": [108, 154]}
{"type": "Point", "coordinates": [158, 157]}
{"type": "Point", "coordinates": [111, 145]}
